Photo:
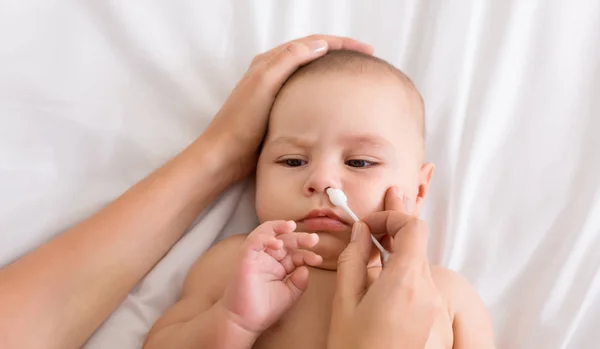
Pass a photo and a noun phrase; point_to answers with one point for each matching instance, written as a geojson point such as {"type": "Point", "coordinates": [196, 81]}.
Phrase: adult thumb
{"type": "Point", "coordinates": [352, 267]}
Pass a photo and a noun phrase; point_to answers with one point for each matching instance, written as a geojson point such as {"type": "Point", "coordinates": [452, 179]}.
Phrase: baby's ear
{"type": "Point", "coordinates": [425, 175]}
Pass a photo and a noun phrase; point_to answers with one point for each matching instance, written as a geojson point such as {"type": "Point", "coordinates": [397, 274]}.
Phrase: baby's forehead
{"type": "Point", "coordinates": [342, 111]}
{"type": "Point", "coordinates": [352, 64]}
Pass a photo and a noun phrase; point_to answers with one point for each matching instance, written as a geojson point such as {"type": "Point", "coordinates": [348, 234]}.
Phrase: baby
{"type": "Point", "coordinates": [348, 121]}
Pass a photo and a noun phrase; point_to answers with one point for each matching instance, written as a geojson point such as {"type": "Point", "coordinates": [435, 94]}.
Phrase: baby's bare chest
{"type": "Point", "coordinates": [306, 324]}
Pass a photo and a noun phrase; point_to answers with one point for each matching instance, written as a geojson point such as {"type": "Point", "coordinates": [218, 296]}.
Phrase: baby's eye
{"type": "Point", "coordinates": [360, 163]}
{"type": "Point", "coordinates": [293, 162]}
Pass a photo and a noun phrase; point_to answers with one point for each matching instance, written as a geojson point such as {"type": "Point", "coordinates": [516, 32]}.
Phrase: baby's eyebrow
{"type": "Point", "coordinates": [367, 140]}
{"type": "Point", "coordinates": [296, 141]}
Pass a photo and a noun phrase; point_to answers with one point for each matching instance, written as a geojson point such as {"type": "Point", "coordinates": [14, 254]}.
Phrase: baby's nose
{"type": "Point", "coordinates": [321, 179]}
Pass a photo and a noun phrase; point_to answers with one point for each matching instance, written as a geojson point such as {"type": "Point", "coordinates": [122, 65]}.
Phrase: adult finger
{"type": "Point", "coordinates": [410, 243]}
{"type": "Point", "coordinates": [284, 62]}
{"type": "Point", "coordinates": [340, 43]}
{"type": "Point", "coordinates": [395, 200]}
{"type": "Point", "coordinates": [333, 43]}
{"type": "Point", "coordinates": [408, 232]}
{"type": "Point", "coordinates": [387, 222]}
{"type": "Point", "coordinates": [352, 269]}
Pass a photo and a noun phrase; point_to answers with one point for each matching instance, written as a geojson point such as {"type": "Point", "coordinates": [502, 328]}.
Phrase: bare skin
{"type": "Point", "coordinates": [63, 290]}
{"type": "Point", "coordinates": [356, 131]}
{"type": "Point", "coordinates": [452, 314]}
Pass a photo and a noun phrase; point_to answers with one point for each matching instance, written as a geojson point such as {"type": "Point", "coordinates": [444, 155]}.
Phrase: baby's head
{"type": "Point", "coordinates": [346, 120]}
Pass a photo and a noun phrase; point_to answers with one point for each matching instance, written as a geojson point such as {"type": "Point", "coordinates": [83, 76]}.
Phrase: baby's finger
{"type": "Point", "coordinates": [283, 227]}
{"type": "Point", "coordinates": [278, 253]}
{"type": "Point", "coordinates": [294, 241]}
{"type": "Point", "coordinates": [304, 257]}
{"type": "Point", "coordinates": [257, 243]}
{"type": "Point", "coordinates": [274, 228]}
{"type": "Point", "coordinates": [298, 282]}
{"type": "Point", "coordinates": [298, 258]}
{"type": "Point", "coordinates": [274, 244]}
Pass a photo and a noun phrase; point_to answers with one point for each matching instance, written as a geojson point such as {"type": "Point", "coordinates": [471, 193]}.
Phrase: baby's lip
{"type": "Point", "coordinates": [324, 212]}
{"type": "Point", "coordinates": [324, 219]}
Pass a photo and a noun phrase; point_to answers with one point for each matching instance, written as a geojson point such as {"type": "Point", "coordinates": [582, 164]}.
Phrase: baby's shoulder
{"type": "Point", "coordinates": [451, 285]}
{"type": "Point", "coordinates": [447, 280]}
{"type": "Point", "coordinates": [228, 245]}
{"type": "Point", "coordinates": [471, 321]}
{"type": "Point", "coordinates": [213, 268]}
{"type": "Point", "coordinates": [456, 291]}
{"type": "Point", "coordinates": [223, 252]}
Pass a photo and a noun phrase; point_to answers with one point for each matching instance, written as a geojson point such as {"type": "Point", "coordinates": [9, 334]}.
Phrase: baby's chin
{"type": "Point", "coordinates": [330, 246]}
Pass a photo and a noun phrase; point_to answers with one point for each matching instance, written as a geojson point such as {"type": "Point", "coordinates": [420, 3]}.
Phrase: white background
{"type": "Point", "coordinates": [94, 95]}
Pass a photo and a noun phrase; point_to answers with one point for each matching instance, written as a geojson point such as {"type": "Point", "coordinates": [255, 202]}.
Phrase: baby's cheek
{"type": "Point", "coordinates": [369, 195]}
{"type": "Point", "coordinates": [266, 206]}
{"type": "Point", "coordinates": [274, 200]}
{"type": "Point", "coordinates": [262, 202]}
{"type": "Point", "coordinates": [367, 199]}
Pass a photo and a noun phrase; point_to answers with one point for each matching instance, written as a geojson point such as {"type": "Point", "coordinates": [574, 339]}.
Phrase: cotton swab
{"type": "Point", "coordinates": [339, 199]}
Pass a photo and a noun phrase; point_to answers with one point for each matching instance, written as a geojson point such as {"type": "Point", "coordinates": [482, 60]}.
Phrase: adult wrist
{"type": "Point", "coordinates": [227, 156]}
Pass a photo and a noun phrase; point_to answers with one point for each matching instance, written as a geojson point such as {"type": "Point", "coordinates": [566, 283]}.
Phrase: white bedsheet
{"type": "Point", "coordinates": [96, 94]}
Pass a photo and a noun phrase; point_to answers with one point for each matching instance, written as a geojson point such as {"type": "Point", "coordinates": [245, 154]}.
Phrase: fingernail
{"type": "Point", "coordinates": [408, 205]}
{"type": "Point", "coordinates": [398, 193]}
{"type": "Point", "coordinates": [315, 237]}
{"type": "Point", "coordinates": [318, 46]}
{"type": "Point", "coordinates": [355, 230]}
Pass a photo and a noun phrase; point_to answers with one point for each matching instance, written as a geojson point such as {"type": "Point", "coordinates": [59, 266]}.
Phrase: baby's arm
{"type": "Point", "coordinates": [197, 320]}
{"type": "Point", "coordinates": [472, 325]}
{"type": "Point", "coordinates": [239, 289]}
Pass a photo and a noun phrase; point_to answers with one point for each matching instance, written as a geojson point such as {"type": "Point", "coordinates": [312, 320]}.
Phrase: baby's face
{"type": "Point", "coordinates": [358, 133]}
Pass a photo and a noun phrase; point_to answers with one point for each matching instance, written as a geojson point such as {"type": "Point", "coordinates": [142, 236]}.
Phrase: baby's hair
{"type": "Point", "coordinates": [357, 62]}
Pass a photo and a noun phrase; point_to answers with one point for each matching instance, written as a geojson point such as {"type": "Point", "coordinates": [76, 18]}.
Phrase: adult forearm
{"type": "Point", "coordinates": [211, 329]}
{"type": "Point", "coordinates": [62, 291]}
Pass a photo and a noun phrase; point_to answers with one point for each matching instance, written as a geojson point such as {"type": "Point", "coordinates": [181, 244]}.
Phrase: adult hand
{"type": "Point", "coordinates": [239, 127]}
{"type": "Point", "coordinates": [400, 307]}
{"type": "Point", "coordinates": [99, 273]}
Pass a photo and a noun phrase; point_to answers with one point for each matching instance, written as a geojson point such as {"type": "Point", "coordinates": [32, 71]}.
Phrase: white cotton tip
{"type": "Point", "coordinates": [337, 197]}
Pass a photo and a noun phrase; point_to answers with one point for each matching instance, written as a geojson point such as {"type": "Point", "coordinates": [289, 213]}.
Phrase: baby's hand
{"type": "Point", "coordinates": [270, 275]}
